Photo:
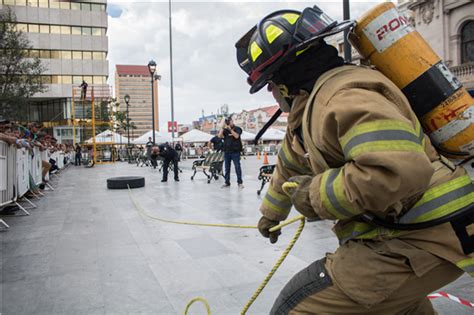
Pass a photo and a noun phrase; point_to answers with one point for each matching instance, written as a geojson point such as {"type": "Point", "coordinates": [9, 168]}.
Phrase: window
{"type": "Point", "coordinates": [66, 54]}
{"type": "Point", "coordinates": [98, 80]}
{"type": "Point", "coordinates": [55, 29]}
{"type": "Point", "coordinates": [66, 79]}
{"type": "Point", "coordinates": [77, 55]}
{"type": "Point", "coordinates": [20, 2]}
{"type": "Point", "coordinates": [85, 6]}
{"type": "Point", "coordinates": [43, 3]}
{"type": "Point", "coordinates": [33, 28]}
{"type": "Point", "coordinates": [22, 27]}
{"type": "Point", "coordinates": [76, 30]}
{"type": "Point", "coordinates": [97, 55]}
{"type": "Point", "coordinates": [34, 53]}
{"type": "Point", "coordinates": [96, 7]}
{"type": "Point", "coordinates": [44, 29]}
{"type": "Point", "coordinates": [9, 2]}
{"type": "Point", "coordinates": [55, 54]}
{"type": "Point", "coordinates": [96, 31]}
{"type": "Point", "coordinates": [467, 42]}
{"type": "Point", "coordinates": [77, 79]}
{"type": "Point", "coordinates": [75, 6]}
{"type": "Point", "coordinates": [86, 31]}
{"type": "Point", "coordinates": [56, 79]}
{"type": "Point", "coordinates": [87, 78]}
{"type": "Point", "coordinates": [86, 55]}
{"type": "Point", "coordinates": [32, 3]}
{"type": "Point", "coordinates": [54, 4]}
{"type": "Point", "coordinates": [64, 5]}
{"type": "Point", "coordinates": [46, 79]}
{"type": "Point", "coordinates": [45, 54]}
{"type": "Point", "coordinates": [65, 30]}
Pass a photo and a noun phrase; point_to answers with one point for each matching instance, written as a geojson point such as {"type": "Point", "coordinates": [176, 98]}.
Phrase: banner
{"type": "Point", "coordinates": [175, 126]}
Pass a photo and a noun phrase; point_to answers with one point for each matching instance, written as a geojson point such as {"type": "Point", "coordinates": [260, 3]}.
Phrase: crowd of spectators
{"type": "Point", "coordinates": [31, 136]}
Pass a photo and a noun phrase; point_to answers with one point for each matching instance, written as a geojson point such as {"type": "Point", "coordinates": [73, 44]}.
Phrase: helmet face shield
{"type": "Point", "coordinates": [242, 47]}
{"type": "Point", "coordinates": [313, 22]}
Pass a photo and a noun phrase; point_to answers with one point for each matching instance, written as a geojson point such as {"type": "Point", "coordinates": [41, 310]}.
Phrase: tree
{"type": "Point", "coordinates": [20, 73]}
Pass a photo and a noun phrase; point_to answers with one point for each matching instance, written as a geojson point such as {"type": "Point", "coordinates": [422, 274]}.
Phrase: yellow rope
{"type": "Point", "coordinates": [269, 275]}
{"type": "Point", "coordinates": [196, 299]}
{"type": "Point", "coordinates": [275, 267]}
{"type": "Point", "coordinates": [140, 209]}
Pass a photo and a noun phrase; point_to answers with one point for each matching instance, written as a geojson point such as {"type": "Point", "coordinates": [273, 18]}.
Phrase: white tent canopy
{"type": "Point", "coordinates": [160, 137]}
{"type": "Point", "coordinates": [273, 134]}
{"type": "Point", "coordinates": [247, 136]}
{"type": "Point", "coordinates": [196, 136]}
{"type": "Point", "coordinates": [109, 136]}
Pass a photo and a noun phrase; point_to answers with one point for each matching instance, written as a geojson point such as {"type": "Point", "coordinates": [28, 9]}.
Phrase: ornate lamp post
{"type": "Point", "coordinates": [152, 69]}
{"type": "Point", "coordinates": [127, 100]}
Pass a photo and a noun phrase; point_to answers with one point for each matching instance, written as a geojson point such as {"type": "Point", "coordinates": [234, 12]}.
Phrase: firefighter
{"type": "Point", "coordinates": [353, 148]}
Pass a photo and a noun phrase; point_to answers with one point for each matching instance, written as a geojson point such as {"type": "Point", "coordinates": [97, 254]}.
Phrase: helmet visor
{"type": "Point", "coordinates": [312, 22]}
{"type": "Point", "coordinates": [242, 46]}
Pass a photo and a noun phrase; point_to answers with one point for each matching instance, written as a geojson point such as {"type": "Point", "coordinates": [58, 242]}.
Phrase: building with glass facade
{"type": "Point", "coordinates": [70, 38]}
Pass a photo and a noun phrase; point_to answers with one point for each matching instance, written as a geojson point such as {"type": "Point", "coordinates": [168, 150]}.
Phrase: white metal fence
{"type": "Point", "coordinates": [16, 167]}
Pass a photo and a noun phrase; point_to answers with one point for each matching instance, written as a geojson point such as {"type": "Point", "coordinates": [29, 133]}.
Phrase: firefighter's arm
{"type": "Point", "coordinates": [276, 205]}
{"type": "Point", "coordinates": [384, 155]}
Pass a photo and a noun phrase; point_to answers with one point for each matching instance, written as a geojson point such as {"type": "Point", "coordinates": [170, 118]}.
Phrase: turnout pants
{"type": "Point", "coordinates": [391, 277]}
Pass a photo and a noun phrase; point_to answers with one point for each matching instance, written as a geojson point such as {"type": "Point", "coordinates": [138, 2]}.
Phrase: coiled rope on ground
{"type": "Point", "coordinates": [269, 275]}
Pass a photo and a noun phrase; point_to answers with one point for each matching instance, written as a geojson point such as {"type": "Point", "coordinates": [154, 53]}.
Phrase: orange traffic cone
{"type": "Point", "coordinates": [258, 155]}
{"type": "Point", "coordinates": [265, 158]}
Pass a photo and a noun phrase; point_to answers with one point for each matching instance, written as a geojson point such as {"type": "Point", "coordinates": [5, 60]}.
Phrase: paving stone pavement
{"type": "Point", "coordinates": [86, 250]}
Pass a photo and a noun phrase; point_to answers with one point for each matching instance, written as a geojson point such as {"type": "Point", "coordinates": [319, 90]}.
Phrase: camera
{"type": "Point", "coordinates": [227, 121]}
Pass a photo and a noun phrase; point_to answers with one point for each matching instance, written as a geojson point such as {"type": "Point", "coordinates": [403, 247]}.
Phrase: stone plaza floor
{"type": "Point", "coordinates": [87, 250]}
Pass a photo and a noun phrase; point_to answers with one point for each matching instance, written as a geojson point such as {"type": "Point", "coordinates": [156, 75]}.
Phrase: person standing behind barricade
{"type": "Point", "coordinates": [216, 144]}
{"type": "Point", "coordinates": [154, 156]}
{"type": "Point", "coordinates": [169, 155]}
{"type": "Point", "coordinates": [78, 157]}
{"type": "Point", "coordinates": [232, 148]}
{"type": "Point", "coordinates": [149, 146]}
{"type": "Point", "coordinates": [179, 149]}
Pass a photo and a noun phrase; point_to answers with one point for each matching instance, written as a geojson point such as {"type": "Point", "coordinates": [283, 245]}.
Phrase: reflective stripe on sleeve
{"type": "Point", "coordinates": [467, 265]}
{"type": "Point", "coordinates": [289, 162]}
{"type": "Point", "coordinates": [277, 202]}
{"type": "Point", "coordinates": [381, 135]}
{"type": "Point", "coordinates": [441, 200]}
{"type": "Point", "coordinates": [333, 196]}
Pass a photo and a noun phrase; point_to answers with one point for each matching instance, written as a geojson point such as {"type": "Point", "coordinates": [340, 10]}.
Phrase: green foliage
{"type": "Point", "coordinates": [20, 75]}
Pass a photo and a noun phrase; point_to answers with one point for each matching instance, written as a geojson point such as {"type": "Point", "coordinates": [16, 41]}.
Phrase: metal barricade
{"type": "Point", "coordinates": [36, 166]}
{"type": "Point", "coordinates": [23, 170]}
{"type": "Point", "coordinates": [60, 160]}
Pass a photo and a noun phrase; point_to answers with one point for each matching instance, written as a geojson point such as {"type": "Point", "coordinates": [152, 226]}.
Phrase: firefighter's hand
{"type": "Point", "coordinates": [297, 188]}
{"type": "Point", "coordinates": [264, 225]}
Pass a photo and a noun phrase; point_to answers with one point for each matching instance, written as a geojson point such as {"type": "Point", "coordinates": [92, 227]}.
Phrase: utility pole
{"type": "Point", "coordinates": [347, 45]}
{"type": "Point", "coordinates": [171, 73]}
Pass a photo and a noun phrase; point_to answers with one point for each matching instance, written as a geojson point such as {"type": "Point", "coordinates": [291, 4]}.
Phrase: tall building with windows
{"type": "Point", "coordinates": [70, 38]}
{"type": "Point", "coordinates": [136, 82]}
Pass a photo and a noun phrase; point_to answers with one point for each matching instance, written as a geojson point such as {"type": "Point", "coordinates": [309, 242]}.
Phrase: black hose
{"type": "Point", "coordinates": [267, 125]}
{"type": "Point", "coordinates": [370, 218]}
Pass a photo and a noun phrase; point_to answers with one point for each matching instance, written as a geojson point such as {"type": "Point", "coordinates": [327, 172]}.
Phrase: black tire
{"type": "Point", "coordinates": [123, 182]}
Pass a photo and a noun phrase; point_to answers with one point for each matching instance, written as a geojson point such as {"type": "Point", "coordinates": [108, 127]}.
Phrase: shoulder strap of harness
{"type": "Point", "coordinates": [317, 162]}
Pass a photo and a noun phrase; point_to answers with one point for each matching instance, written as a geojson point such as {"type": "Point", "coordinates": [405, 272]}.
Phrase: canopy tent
{"type": "Point", "coordinates": [273, 134]}
{"type": "Point", "coordinates": [247, 136]}
{"type": "Point", "coordinates": [196, 136]}
{"type": "Point", "coordinates": [109, 136]}
{"type": "Point", "coordinates": [160, 137]}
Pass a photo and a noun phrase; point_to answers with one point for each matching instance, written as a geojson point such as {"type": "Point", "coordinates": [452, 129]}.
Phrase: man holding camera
{"type": "Point", "coordinates": [232, 148]}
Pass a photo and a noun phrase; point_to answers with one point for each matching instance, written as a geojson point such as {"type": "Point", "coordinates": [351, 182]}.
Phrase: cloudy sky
{"type": "Point", "coordinates": [206, 74]}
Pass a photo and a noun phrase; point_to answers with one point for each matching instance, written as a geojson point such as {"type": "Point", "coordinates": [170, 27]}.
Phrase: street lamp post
{"type": "Point", "coordinates": [127, 100]}
{"type": "Point", "coordinates": [152, 69]}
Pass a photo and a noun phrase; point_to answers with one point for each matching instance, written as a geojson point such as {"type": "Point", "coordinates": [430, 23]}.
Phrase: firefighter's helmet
{"type": "Point", "coordinates": [280, 37]}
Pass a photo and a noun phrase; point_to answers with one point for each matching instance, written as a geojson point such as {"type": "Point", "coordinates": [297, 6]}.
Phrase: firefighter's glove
{"type": "Point", "coordinates": [297, 188]}
{"type": "Point", "coordinates": [264, 225]}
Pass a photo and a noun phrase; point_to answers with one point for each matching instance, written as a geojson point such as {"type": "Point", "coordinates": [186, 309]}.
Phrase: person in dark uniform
{"type": "Point", "coordinates": [169, 155]}
{"type": "Point", "coordinates": [216, 143]}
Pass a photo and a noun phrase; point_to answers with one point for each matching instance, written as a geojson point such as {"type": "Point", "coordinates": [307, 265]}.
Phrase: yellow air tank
{"type": "Point", "coordinates": [394, 47]}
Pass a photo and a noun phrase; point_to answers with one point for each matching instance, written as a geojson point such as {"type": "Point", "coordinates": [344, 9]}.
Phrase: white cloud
{"type": "Point", "coordinates": [206, 74]}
